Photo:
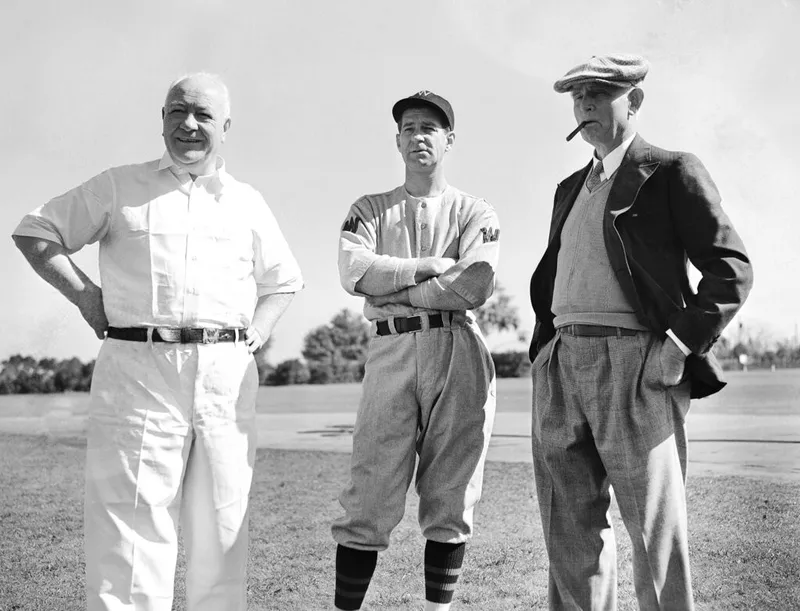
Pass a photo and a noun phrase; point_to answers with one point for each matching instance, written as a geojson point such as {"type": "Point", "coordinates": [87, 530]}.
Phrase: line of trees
{"type": "Point", "coordinates": [754, 352]}
{"type": "Point", "coordinates": [334, 352]}
{"type": "Point", "coordinates": [337, 351]}
{"type": "Point", "coordinates": [25, 374]}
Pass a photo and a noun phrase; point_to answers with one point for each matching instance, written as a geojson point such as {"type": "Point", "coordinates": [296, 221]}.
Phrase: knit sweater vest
{"type": "Point", "coordinates": [586, 289]}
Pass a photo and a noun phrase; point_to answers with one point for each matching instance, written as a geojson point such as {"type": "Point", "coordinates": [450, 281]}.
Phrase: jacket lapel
{"type": "Point", "coordinates": [636, 167]}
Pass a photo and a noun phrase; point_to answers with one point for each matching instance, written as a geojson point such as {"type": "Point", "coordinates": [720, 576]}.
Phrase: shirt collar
{"type": "Point", "coordinates": [215, 181]}
{"type": "Point", "coordinates": [613, 160]}
{"type": "Point", "coordinates": [427, 197]}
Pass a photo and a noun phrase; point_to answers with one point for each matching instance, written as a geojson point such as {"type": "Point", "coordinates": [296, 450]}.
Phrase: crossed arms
{"type": "Point", "coordinates": [463, 281]}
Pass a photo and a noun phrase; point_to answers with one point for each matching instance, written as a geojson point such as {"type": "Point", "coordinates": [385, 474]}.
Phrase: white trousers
{"type": "Point", "coordinates": [171, 440]}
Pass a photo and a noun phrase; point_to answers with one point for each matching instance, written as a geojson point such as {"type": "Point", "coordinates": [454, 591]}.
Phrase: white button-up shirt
{"type": "Point", "coordinates": [173, 252]}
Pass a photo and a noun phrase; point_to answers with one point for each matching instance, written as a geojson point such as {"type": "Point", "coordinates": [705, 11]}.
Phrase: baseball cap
{"type": "Point", "coordinates": [619, 69]}
{"type": "Point", "coordinates": [425, 98]}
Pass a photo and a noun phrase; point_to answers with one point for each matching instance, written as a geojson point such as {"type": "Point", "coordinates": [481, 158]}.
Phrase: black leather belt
{"type": "Point", "coordinates": [404, 324]}
{"type": "Point", "coordinates": [596, 331]}
{"type": "Point", "coordinates": [172, 335]}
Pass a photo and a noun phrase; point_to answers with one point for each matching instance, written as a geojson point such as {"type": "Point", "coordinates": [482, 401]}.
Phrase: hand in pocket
{"type": "Point", "coordinates": [672, 362]}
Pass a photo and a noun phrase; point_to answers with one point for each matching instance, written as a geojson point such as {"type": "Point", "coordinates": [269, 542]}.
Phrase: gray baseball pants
{"type": "Point", "coordinates": [427, 394]}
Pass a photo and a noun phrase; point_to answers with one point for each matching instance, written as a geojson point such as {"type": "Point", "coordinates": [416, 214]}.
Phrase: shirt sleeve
{"type": "Point", "coordinates": [79, 217]}
{"type": "Point", "coordinates": [359, 264]}
{"type": "Point", "coordinates": [683, 347]}
{"type": "Point", "coordinates": [470, 282]}
{"type": "Point", "coordinates": [274, 267]}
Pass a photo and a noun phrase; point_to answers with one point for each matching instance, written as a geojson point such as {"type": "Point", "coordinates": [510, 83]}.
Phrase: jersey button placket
{"type": "Point", "coordinates": [422, 232]}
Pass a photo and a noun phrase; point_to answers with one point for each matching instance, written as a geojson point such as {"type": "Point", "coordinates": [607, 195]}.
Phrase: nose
{"type": "Point", "coordinates": [189, 123]}
{"type": "Point", "coordinates": [418, 135]}
{"type": "Point", "coordinates": [587, 103]}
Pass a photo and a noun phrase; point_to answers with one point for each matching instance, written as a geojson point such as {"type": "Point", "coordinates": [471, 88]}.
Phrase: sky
{"type": "Point", "coordinates": [312, 85]}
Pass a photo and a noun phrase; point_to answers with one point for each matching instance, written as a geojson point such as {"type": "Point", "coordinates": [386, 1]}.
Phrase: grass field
{"type": "Point", "coordinates": [744, 536]}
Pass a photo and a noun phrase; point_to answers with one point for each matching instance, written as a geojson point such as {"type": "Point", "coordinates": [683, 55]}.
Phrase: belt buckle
{"type": "Point", "coordinates": [169, 335]}
{"type": "Point", "coordinates": [210, 336]}
{"type": "Point", "coordinates": [408, 324]}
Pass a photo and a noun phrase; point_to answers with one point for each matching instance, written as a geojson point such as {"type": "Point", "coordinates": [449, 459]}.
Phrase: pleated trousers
{"type": "Point", "coordinates": [604, 422]}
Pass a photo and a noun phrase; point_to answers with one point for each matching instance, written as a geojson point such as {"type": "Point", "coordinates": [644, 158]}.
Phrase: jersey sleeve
{"type": "Point", "coordinates": [74, 219]}
{"type": "Point", "coordinates": [362, 271]}
{"type": "Point", "coordinates": [470, 282]}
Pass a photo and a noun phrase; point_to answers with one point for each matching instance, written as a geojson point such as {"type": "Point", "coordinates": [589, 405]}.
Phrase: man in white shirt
{"type": "Point", "coordinates": [621, 344]}
{"type": "Point", "coordinates": [423, 255]}
{"type": "Point", "coordinates": [194, 275]}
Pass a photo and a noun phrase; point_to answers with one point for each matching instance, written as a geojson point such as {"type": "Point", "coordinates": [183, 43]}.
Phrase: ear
{"type": "Point", "coordinates": [635, 99]}
{"type": "Point", "coordinates": [397, 141]}
{"type": "Point", "coordinates": [163, 113]}
{"type": "Point", "coordinates": [225, 127]}
{"type": "Point", "coordinates": [451, 139]}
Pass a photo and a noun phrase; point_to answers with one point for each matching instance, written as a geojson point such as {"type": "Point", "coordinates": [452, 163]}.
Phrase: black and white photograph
{"type": "Point", "coordinates": [437, 305]}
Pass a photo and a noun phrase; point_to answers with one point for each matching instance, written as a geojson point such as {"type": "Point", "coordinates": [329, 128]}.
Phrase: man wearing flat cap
{"type": "Point", "coordinates": [423, 255]}
{"type": "Point", "coordinates": [622, 342]}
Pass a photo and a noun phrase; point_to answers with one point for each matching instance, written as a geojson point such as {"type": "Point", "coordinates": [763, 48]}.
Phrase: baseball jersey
{"type": "Point", "coordinates": [173, 252]}
{"type": "Point", "coordinates": [388, 232]}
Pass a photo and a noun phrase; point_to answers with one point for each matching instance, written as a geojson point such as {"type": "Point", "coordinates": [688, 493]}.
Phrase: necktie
{"type": "Point", "coordinates": [594, 177]}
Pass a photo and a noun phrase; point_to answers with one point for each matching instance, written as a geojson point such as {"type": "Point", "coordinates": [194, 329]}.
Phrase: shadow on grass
{"type": "Point", "coordinates": [744, 535]}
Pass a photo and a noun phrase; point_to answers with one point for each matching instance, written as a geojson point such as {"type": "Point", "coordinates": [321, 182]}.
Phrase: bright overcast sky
{"type": "Point", "coordinates": [312, 84]}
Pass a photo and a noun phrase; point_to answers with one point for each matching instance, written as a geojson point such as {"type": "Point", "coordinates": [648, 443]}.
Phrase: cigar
{"type": "Point", "coordinates": [574, 132]}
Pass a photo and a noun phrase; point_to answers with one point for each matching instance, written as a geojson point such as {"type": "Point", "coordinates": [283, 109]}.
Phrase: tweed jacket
{"type": "Point", "coordinates": [663, 209]}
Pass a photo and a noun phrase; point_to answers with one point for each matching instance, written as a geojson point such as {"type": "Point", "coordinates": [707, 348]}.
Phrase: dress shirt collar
{"type": "Point", "coordinates": [214, 181]}
{"type": "Point", "coordinates": [613, 160]}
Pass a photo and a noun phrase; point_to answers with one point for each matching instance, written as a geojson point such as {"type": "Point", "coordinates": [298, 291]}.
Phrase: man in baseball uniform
{"type": "Point", "coordinates": [423, 254]}
{"type": "Point", "coordinates": [194, 273]}
{"type": "Point", "coordinates": [621, 344]}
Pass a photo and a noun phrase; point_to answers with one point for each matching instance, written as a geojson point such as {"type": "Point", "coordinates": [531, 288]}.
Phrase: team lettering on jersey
{"type": "Point", "coordinates": [490, 235]}
{"type": "Point", "coordinates": [351, 224]}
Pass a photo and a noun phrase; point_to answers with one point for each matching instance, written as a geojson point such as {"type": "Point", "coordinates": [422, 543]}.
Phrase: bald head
{"type": "Point", "coordinates": [207, 81]}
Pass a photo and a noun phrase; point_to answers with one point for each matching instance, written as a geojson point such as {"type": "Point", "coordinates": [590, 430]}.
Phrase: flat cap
{"type": "Point", "coordinates": [425, 98]}
{"type": "Point", "coordinates": [620, 69]}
